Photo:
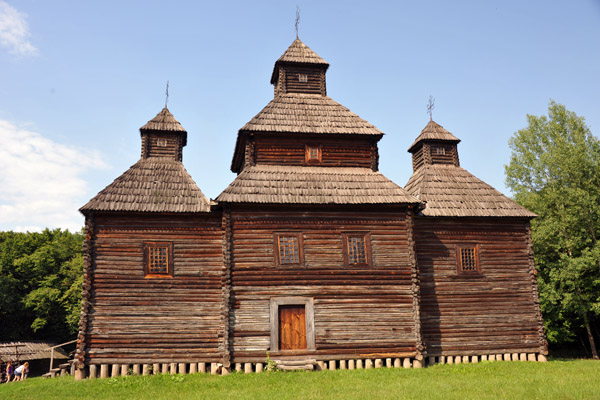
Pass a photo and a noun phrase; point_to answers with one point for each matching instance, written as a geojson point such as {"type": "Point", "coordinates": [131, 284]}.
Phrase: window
{"type": "Point", "coordinates": [357, 249]}
{"type": "Point", "coordinates": [158, 259]}
{"type": "Point", "coordinates": [441, 151]}
{"type": "Point", "coordinates": [302, 78]}
{"type": "Point", "coordinates": [467, 259]}
{"type": "Point", "coordinates": [161, 142]}
{"type": "Point", "coordinates": [313, 154]}
{"type": "Point", "coordinates": [288, 249]}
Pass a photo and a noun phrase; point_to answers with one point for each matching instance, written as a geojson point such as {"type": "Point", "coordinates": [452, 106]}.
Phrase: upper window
{"type": "Point", "coordinates": [467, 259]}
{"type": "Point", "coordinates": [288, 248]}
{"type": "Point", "coordinates": [313, 154]}
{"type": "Point", "coordinates": [161, 142]}
{"type": "Point", "coordinates": [302, 78]}
{"type": "Point", "coordinates": [158, 259]}
{"type": "Point", "coordinates": [357, 248]}
{"type": "Point", "coordinates": [440, 151]}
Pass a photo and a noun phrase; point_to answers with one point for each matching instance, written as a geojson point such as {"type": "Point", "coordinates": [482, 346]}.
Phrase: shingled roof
{"type": "Point", "coordinates": [298, 52]}
{"type": "Point", "coordinates": [276, 184]}
{"type": "Point", "coordinates": [154, 184]}
{"type": "Point", "coordinates": [451, 191]}
{"type": "Point", "coordinates": [434, 131]}
{"type": "Point", "coordinates": [308, 113]}
{"type": "Point", "coordinates": [164, 121]}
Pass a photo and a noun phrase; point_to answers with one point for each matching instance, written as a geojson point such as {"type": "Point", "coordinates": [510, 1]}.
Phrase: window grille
{"type": "Point", "coordinates": [289, 249]}
{"type": "Point", "coordinates": [158, 259]}
{"type": "Point", "coordinates": [468, 259]}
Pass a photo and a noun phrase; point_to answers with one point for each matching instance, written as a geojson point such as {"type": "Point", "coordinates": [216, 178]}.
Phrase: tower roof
{"type": "Point", "coordinates": [298, 53]}
{"type": "Point", "coordinates": [164, 121]}
{"type": "Point", "coordinates": [434, 131]}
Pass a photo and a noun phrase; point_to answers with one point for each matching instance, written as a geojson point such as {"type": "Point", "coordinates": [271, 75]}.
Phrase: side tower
{"type": "Point", "coordinates": [478, 286]}
{"type": "Point", "coordinates": [153, 262]}
{"type": "Point", "coordinates": [322, 259]}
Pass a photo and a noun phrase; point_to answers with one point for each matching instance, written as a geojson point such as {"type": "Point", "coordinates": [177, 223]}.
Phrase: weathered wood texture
{"type": "Point", "coordinates": [346, 152]}
{"type": "Point", "coordinates": [147, 320]}
{"type": "Point", "coordinates": [171, 146]}
{"type": "Point", "coordinates": [494, 312]}
{"type": "Point", "coordinates": [357, 310]}
{"type": "Point", "coordinates": [314, 80]}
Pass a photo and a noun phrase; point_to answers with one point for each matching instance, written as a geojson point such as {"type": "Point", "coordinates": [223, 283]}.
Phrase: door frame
{"type": "Point", "coordinates": [309, 315]}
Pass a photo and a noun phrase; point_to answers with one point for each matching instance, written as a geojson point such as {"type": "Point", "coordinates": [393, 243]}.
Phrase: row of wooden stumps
{"type": "Point", "coordinates": [113, 370]}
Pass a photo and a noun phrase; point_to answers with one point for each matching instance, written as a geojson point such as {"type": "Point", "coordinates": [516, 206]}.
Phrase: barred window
{"type": "Point", "coordinates": [288, 248]}
{"type": "Point", "coordinates": [440, 150]}
{"type": "Point", "coordinates": [313, 154]}
{"type": "Point", "coordinates": [356, 248]}
{"type": "Point", "coordinates": [161, 142]}
{"type": "Point", "coordinates": [467, 259]}
{"type": "Point", "coordinates": [158, 259]}
{"type": "Point", "coordinates": [302, 78]}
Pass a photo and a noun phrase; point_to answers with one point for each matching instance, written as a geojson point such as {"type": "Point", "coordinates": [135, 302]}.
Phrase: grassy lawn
{"type": "Point", "coordinates": [573, 379]}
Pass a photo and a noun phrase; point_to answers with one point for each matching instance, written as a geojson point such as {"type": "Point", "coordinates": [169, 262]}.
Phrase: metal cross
{"type": "Point", "coordinates": [430, 107]}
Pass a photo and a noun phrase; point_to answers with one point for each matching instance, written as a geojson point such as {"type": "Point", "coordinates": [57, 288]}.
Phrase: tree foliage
{"type": "Point", "coordinates": [40, 285]}
{"type": "Point", "coordinates": [554, 171]}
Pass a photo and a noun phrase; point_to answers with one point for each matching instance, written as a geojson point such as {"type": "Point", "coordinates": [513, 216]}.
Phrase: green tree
{"type": "Point", "coordinates": [554, 171]}
{"type": "Point", "coordinates": [40, 284]}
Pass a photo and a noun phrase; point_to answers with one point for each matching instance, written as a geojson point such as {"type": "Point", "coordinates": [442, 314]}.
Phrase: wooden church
{"type": "Point", "coordinates": [311, 257]}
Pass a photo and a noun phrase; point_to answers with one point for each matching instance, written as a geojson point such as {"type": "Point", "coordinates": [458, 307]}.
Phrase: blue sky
{"type": "Point", "coordinates": [78, 79]}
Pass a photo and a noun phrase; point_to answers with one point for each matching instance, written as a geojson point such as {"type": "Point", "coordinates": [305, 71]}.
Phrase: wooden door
{"type": "Point", "coordinates": [292, 327]}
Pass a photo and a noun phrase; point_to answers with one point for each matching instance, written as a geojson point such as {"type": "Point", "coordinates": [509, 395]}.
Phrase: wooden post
{"type": "Point", "coordinates": [124, 369]}
{"type": "Point", "coordinates": [225, 371]}
{"type": "Point", "coordinates": [332, 365]}
{"type": "Point", "coordinates": [515, 357]}
{"type": "Point", "coordinates": [164, 368]}
{"type": "Point", "coordinates": [247, 368]}
{"type": "Point", "coordinates": [442, 359]}
{"type": "Point", "coordinates": [359, 363]}
{"type": "Point", "coordinates": [397, 363]}
{"type": "Point", "coordinates": [115, 370]}
{"type": "Point", "coordinates": [173, 368]}
{"type": "Point", "coordinates": [388, 363]}
{"type": "Point", "coordinates": [145, 369]}
{"type": "Point", "coordinates": [103, 371]}
{"type": "Point", "coordinates": [406, 363]}
{"type": "Point", "coordinates": [430, 361]}
{"type": "Point", "coordinates": [342, 364]}
{"type": "Point", "coordinates": [214, 367]}
{"type": "Point", "coordinates": [79, 374]}
{"type": "Point", "coordinates": [465, 359]}
{"type": "Point", "coordinates": [155, 369]}
{"type": "Point", "coordinates": [351, 364]}
{"type": "Point", "coordinates": [457, 360]}
{"type": "Point", "coordinates": [202, 367]}
{"type": "Point", "coordinates": [450, 360]}
{"type": "Point", "coordinates": [417, 363]}
{"type": "Point", "coordinates": [484, 357]}
{"type": "Point", "coordinates": [193, 368]}
{"type": "Point", "coordinates": [378, 363]}
{"type": "Point", "coordinates": [530, 357]}
{"type": "Point", "coordinates": [522, 357]}
{"type": "Point", "coordinates": [136, 369]}
{"type": "Point", "coordinates": [541, 358]}
{"type": "Point", "coordinates": [259, 367]}
{"type": "Point", "coordinates": [182, 368]}
{"type": "Point", "coordinates": [238, 367]}
{"type": "Point", "coordinates": [368, 363]}
{"type": "Point", "coordinates": [507, 357]}
{"type": "Point", "coordinates": [93, 371]}
{"type": "Point", "coordinates": [51, 359]}
{"type": "Point", "coordinates": [474, 359]}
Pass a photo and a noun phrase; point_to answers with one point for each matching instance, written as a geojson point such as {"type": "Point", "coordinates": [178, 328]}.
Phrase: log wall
{"type": "Point", "coordinates": [334, 153]}
{"type": "Point", "coordinates": [172, 147]}
{"type": "Point", "coordinates": [492, 313]}
{"type": "Point", "coordinates": [315, 78]}
{"type": "Point", "coordinates": [358, 311]}
{"type": "Point", "coordinates": [132, 318]}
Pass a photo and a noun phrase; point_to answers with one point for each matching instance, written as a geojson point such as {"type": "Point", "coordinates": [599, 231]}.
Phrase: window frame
{"type": "Point", "coordinates": [147, 246]}
{"type": "Point", "coordinates": [276, 249]}
{"type": "Point", "coordinates": [161, 142]}
{"type": "Point", "coordinates": [302, 77]}
{"type": "Point", "coordinates": [459, 259]}
{"type": "Point", "coordinates": [367, 243]}
{"type": "Point", "coordinates": [307, 154]}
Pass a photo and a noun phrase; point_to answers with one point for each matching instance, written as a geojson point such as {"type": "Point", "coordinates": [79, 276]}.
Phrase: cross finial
{"type": "Point", "coordinates": [297, 20]}
{"type": "Point", "coordinates": [430, 107]}
{"type": "Point", "coordinates": [167, 94]}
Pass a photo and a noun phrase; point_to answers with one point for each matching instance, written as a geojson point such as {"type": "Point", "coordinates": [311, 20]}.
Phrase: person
{"type": "Point", "coordinates": [9, 370]}
{"type": "Point", "coordinates": [21, 372]}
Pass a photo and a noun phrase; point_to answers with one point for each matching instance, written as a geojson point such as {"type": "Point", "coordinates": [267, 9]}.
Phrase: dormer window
{"type": "Point", "coordinates": [161, 142]}
{"type": "Point", "coordinates": [302, 77]}
{"type": "Point", "coordinates": [313, 154]}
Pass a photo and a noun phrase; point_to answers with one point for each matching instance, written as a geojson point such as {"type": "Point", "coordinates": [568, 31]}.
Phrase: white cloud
{"type": "Point", "coordinates": [14, 32]}
{"type": "Point", "coordinates": [41, 182]}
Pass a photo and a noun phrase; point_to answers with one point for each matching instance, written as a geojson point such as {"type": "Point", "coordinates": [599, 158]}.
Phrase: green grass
{"type": "Point", "coordinates": [573, 379]}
